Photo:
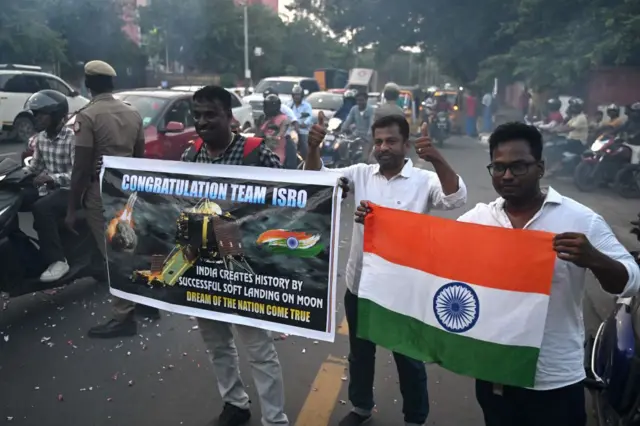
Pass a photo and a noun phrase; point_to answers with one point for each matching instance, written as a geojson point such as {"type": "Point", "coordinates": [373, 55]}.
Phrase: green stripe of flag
{"type": "Point", "coordinates": [493, 362]}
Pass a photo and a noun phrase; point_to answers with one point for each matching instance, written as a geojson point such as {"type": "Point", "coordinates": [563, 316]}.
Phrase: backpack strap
{"type": "Point", "coordinates": [194, 150]}
{"type": "Point", "coordinates": [251, 152]}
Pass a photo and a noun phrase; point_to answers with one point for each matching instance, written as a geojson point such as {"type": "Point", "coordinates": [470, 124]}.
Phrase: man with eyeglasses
{"type": "Point", "coordinates": [583, 241]}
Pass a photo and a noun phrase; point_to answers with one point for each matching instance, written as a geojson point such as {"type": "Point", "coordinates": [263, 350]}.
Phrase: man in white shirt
{"type": "Point", "coordinates": [393, 182]}
{"type": "Point", "coordinates": [583, 242]}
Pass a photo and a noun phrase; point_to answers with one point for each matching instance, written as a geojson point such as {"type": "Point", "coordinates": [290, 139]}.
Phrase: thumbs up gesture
{"type": "Point", "coordinates": [425, 148]}
{"type": "Point", "coordinates": [317, 132]}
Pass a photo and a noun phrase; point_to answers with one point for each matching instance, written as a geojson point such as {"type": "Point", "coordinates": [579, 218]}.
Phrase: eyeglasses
{"type": "Point", "coordinates": [519, 168]}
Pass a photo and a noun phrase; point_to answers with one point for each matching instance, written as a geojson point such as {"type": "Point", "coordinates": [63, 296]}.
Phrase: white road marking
{"type": "Point", "coordinates": [8, 154]}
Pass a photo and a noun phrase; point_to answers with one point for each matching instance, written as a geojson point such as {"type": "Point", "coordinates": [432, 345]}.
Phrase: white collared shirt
{"type": "Point", "coordinates": [415, 190]}
{"type": "Point", "coordinates": [561, 360]}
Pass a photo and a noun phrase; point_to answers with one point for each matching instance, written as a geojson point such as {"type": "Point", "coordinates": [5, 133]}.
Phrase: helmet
{"type": "Point", "coordinates": [297, 90]}
{"type": "Point", "coordinates": [554, 104]}
{"type": "Point", "coordinates": [272, 105]}
{"type": "Point", "coordinates": [613, 108]}
{"type": "Point", "coordinates": [633, 111]}
{"type": "Point", "coordinates": [269, 91]}
{"type": "Point", "coordinates": [50, 102]}
{"type": "Point", "coordinates": [391, 90]}
{"type": "Point", "coordinates": [349, 94]}
{"type": "Point", "coordinates": [575, 105]}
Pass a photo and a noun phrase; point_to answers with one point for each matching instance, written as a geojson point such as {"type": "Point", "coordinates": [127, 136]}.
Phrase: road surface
{"type": "Point", "coordinates": [52, 375]}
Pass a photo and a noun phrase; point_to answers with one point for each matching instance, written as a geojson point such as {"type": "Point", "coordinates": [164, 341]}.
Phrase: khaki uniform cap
{"type": "Point", "coordinates": [99, 68]}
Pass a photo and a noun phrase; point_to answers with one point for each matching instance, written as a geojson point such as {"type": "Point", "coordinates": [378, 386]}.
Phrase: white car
{"type": "Point", "coordinates": [17, 84]}
{"type": "Point", "coordinates": [242, 111]}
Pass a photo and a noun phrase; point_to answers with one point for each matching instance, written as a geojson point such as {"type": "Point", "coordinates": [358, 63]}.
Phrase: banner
{"type": "Point", "coordinates": [244, 245]}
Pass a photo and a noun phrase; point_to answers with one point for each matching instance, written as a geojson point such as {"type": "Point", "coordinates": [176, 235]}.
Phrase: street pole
{"type": "Point", "coordinates": [247, 71]}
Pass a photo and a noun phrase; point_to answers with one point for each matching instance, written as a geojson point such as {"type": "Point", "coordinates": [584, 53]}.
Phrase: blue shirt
{"type": "Point", "coordinates": [363, 120]}
{"type": "Point", "coordinates": [284, 109]}
{"type": "Point", "coordinates": [298, 110]}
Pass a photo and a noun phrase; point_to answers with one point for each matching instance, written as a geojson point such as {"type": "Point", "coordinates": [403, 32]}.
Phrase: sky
{"type": "Point", "coordinates": [282, 4]}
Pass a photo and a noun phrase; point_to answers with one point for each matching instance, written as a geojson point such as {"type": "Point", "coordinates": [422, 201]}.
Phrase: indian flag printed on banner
{"type": "Point", "coordinates": [471, 298]}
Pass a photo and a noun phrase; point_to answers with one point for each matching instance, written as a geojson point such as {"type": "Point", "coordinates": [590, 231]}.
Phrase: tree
{"type": "Point", "coordinates": [87, 38]}
{"type": "Point", "coordinates": [24, 36]}
{"type": "Point", "coordinates": [548, 43]}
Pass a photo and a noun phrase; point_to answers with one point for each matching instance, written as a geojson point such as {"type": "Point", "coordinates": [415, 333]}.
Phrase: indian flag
{"type": "Point", "coordinates": [300, 244]}
{"type": "Point", "coordinates": [471, 298]}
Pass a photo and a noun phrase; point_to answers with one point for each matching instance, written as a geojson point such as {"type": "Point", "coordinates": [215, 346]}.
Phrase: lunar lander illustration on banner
{"type": "Point", "coordinates": [204, 232]}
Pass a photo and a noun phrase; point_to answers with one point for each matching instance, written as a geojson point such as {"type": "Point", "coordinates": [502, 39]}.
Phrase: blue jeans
{"type": "Point", "coordinates": [470, 123]}
{"type": "Point", "coordinates": [487, 120]}
{"type": "Point", "coordinates": [412, 373]}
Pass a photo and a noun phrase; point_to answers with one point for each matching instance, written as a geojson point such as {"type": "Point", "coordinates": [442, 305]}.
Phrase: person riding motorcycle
{"type": "Point", "coordinates": [443, 104]}
{"type": "Point", "coordinates": [578, 134]}
{"type": "Point", "coordinates": [283, 109]}
{"type": "Point", "coordinates": [304, 113]}
{"type": "Point", "coordinates": [52, 163]}
{"type": "Point", "coordinates": [630, 130]}
{"type": "Point", "coordinates": [360, 118]}
{"type": "Point", "coordinates": [554, 116]}
{"type": "Point", "coordinates": [615, 121]}
{"type": "Point", "coordinates": [276, 140]}
{"type": "Point", "coordinates": [348, 102]}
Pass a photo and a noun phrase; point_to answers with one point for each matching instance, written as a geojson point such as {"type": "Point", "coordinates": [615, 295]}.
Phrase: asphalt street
{"type": "Point", "coordinates": [52, 375]}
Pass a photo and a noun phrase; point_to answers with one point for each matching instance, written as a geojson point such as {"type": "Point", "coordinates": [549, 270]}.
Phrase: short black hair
{"type": "Point", "coordinates": [517, 131]}
{"type": "Point", "coordinates": [213, 93]}
{"type": "Point", "coordinates": [362, 93]}
{"type": "Point", "coordinates": [391, 94]}
{"type": "Point", "coordinates": [390, 120]}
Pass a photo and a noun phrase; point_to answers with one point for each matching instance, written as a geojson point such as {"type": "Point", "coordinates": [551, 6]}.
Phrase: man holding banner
{"type": "Point", "coordinates": [219, 145]}
{"type": "Point", "coordinates": [396, 183]}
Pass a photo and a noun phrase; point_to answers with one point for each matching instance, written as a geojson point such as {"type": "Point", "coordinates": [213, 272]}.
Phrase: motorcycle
{"type": "Point", "coordinates": [627, 181]}
{"type": "Point", "coordinates": [439, 128]}
{"type": "Point", "coordinates": [612, 363]}
{"type": "Point", "coordinates": [600, 163]}
{"type": "Point", "coordinates": [556, 153]}
{"type": "Point", "coordinates": [330, 152]}
{"type": "Point", "coordinates": [20, 253]}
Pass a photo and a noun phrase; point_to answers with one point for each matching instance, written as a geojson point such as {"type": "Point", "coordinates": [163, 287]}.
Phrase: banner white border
{"type": "Point", "coordinates": [251, 174]}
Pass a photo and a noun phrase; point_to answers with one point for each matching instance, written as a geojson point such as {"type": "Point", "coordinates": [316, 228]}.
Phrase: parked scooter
{"type": "Point", "coordinates": [612, 363]}
{"type": "Point", "coordinates": [600, 163]}
{"type": "Point", "coordinates": [22, 263]}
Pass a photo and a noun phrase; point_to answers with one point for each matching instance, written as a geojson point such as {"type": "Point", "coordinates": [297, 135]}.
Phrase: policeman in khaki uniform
{"type": "Point", "coordinates": [106, 126]}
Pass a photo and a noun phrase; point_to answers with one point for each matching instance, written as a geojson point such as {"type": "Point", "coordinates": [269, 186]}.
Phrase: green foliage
{"type": "Point", "coordinates": [545, 42]}
{"type": "Point", "coordinates": [202, 35]}
{"type": "Point", "coordinates": [216, 44]}
{"type": "Point", "coordinates": [24, 36]}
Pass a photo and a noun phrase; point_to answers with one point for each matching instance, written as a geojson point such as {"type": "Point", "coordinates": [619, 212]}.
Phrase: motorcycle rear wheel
{"type": "Point", "coordinates": [626, 182]}
{"type": "Point", "coordinates": [584, 177]}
